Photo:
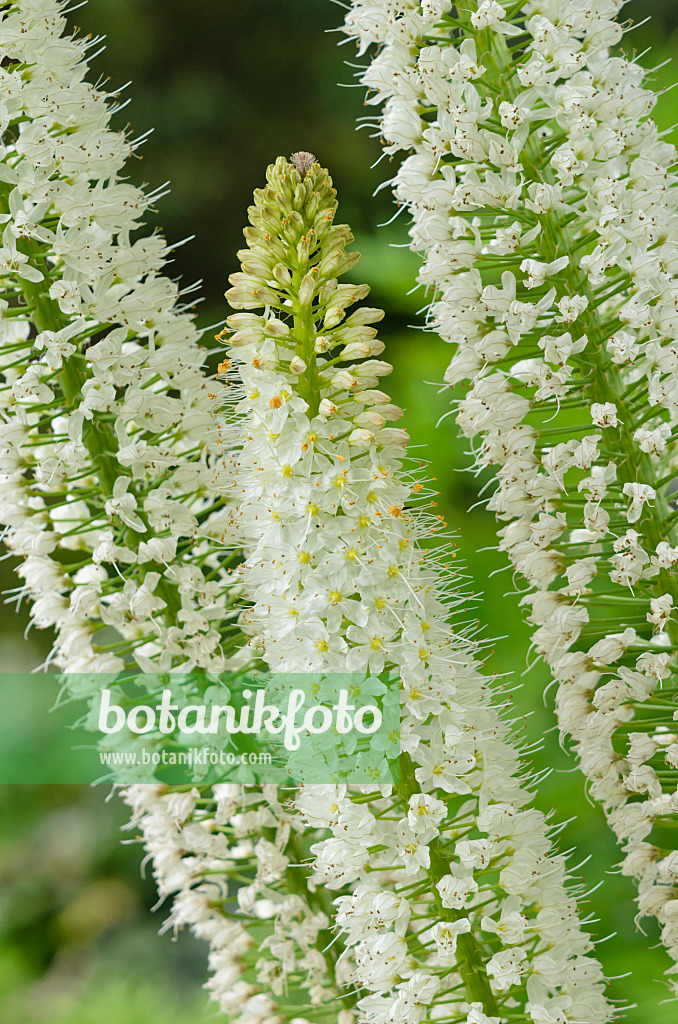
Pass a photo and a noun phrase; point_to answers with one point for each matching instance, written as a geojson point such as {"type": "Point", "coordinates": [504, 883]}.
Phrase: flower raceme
{"type": "Point", "coordinates": [107, 447]}
{"type": "Point", "coordinates": [450, 902]}
{"type": "Point", "coordinates": [104, 406]}
{"type": "Point", "coordinates": [544, 209]}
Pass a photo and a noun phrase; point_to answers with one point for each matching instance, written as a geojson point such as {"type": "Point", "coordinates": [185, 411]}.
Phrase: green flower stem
{"type": "Point", "coordinates": [472, 967]}
{"type": "Point", "coordinates": [304, 334]}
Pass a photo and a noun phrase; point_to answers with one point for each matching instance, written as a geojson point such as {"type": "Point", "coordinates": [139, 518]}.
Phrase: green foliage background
{"type": "Point", "coordinates": [227, 85]}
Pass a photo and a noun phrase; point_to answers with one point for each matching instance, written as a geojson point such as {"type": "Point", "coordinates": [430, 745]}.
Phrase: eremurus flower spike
{"type": "Point", "coordinates": [543, 204]}
{"type": "Point", "coordinates": [450, 900]}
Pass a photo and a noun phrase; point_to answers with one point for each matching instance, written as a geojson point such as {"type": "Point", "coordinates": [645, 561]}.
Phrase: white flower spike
{"type": "Point", "coordinates": [450, 900]}
{"type": "Point", "coordinates": [543, 205]}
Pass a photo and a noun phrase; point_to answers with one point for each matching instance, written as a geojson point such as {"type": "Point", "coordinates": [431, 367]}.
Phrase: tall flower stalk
{"type": "Point", "coordinates": [543, 205]}
{"type": "Point", "coordinates": [450, 902]}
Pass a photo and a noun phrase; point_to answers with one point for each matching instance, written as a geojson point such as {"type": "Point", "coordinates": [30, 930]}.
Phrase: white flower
{"type": "Point", "coordinates": [446, 935]}
{"type": "Point", "coordinates": [380, 960]}
{"type": "Point", "coordinates": [14, 262]}
{"type": "Point", "coordinates": [611, 648]}
{"type": "Point", "coordinates": [477, 1015]}
{"type": "Point", "coordinates": [511, 925]}
{"type": "Point", "coordinates": [660, 610]}
{"type": "Point", "coordinates": [639, 494]}
{"type": "Point", "coordinates": [425, 814]}
{"type": "Point", "coordinates": [30, 387]}
{"type": "Point", "coordinates": [507, 967]}
{"type": "Point", "coordinates": [653, 441]}
{"type": "Point", "coordinates": [455, 892]}
{"type": "Point", "coordinates": [122, 505]}
{"type": "Point", "coordinates": [580, 574]}
{"type": "Point", "coordinates": [604, 414]}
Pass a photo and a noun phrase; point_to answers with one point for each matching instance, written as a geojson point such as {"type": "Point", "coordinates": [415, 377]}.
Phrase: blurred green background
{"type": "Point", "coordinates": [226, 86]}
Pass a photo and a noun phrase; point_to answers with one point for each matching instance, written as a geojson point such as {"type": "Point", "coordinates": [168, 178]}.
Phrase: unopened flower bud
{"type": "Point", "coordinates": [327, 408]}
{"type": "Point", "coordinates": [276, 328]}
{"type": "Point", "coordinates": [394, 436]}
{"type": "Point", "coordinates": [365, 315]}
{"type": "Point", "coordinates": [308, 287]}
{"type": "Point", "coordinates": [361, 438]}
{"type": "Point", "coordinates": [357, 350]}
{"type": "Point", "coordinates": [344, 380]}
{"type": "Point", "coordinates": [333, 316]}
{"type": "Point", "coordinates": [369, 418]}
{"type": "Point", "coordinates": [297, 365]}
{"type": "Point", "coordinates": [256, 262]}
{"type": "Point", "coordinates": [282, 274]}
{"type": "Point", "coordinates": [373, 397]}
{"type": "Point", "coordinates": [323, 343]}
{"type": "Point", "coordinates": [306, 246]}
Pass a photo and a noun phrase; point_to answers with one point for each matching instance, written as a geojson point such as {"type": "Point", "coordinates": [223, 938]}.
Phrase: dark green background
{"type": "Point", "coordinates": [227, 87]}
